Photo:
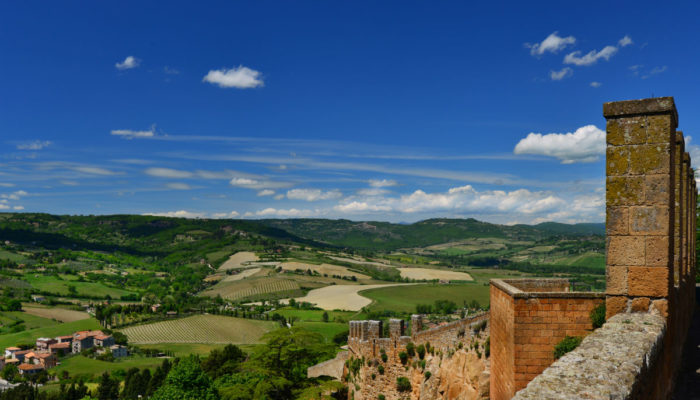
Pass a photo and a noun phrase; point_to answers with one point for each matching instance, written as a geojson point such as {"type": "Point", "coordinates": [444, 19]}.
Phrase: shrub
{"type": "Point", "coordinates": [403, 384]}
{"type": "Point", "coordinates": [384, 357]}
{"type": "Point", "coordinates": [380, 369]}
{"type": "Point", "coordinates": [598, 316]}
{"type": "Point", "coordinates": [411, 349]}
{"type": "Point", "coordinates": [381, 397]}
{"type": "Point", "coordinates": [421, 351]}
{"type": "Point", "coordinates": [566, 345]}
{"type": "Point", "coordinates": [403, 357]}
{"type": "Point", "coordinates": [374, 376]}
{"type": "Point", "coordinates": [487, 347]}
{"type": "Point", "coordinates": [427, 375]}
{"type": "Point", "coordinates": [422, 364]}
{"type": "Point", "coordinates": [460, 345]}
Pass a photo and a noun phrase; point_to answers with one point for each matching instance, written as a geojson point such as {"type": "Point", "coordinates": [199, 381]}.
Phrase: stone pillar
{"type": "Point", "coordinates": [416, 324]}
{"type": "Point", "coordinates": [396, 328]}
{"type": "Point", "coordinates": [364, 330]}
{"type": "Point", "coordinates": [640, 186]}
{"type": "Point", "coordinates": [374, 330]}
{"type": "Point", "coordinates": [685, 217]}
{"type": "Point", "coordinates": [679, 227]}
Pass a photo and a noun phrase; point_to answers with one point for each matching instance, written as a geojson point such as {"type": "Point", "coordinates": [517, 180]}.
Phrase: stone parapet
{"type": "Point", "coordinates": [618, 361]}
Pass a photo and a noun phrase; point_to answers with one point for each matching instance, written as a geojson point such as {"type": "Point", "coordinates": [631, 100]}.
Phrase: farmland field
{"type": "Point", "coordinates": [59, 286]}
{"type": "Point", "coordinates": [60, 314]}
{"type": "Point", "coordinates": [241, 275]}
{"type": "Point", "coordinates": [430, 274]}
{"type": "Point", "coordinates": [254, 288]}
{"type": "Point", "coordinates": [30, 321]}
{"type": "Point", "coordinates": [239, 260]}
{"type": "Point", "coordinates": [341, 297]}
{"type": "Point", "coordinates": [29, 336]}
{"type": "Point", "coordinates": [405, 298]}
{"type": "Point", "coordinates": [200, 329]}
{"type": "Point", "coordinates": [79, 366]}
{"type": "Point", "coordinates": [323, 269]}
{"type": "Point", "coordinates": [327, 329]}
{"type": "Point", "coordinates": [317, 315]}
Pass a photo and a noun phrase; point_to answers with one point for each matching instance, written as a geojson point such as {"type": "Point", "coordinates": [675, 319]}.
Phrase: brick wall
{"type": "Point", "coordinates": [526, 326]}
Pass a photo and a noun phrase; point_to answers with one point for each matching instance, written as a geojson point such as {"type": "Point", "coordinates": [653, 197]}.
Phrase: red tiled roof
{"type": "Point", "coordinates": [30, 367]}
{"type": "Point", "coordinates": [13, 348]}
{"type": "Point", "coordinates": [103, 337]}
{"type": "Point", "coordinates": [22, 352]}
{"type": "Point", "coordinates": [64, 345]}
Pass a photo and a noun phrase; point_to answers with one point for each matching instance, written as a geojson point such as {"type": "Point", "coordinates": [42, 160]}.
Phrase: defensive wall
{"type": "Point", "coordinates": [366, 344]}
{"type": "Point", "coordinates": [529, 317]}
{"type": "Point", "coordinates": [651, 200]}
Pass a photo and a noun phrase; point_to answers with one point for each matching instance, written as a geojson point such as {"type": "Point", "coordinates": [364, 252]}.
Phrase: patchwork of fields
{"type": "Point", "coordinates": [254, 288]}
{"type": "Point", "coordinates": [200, 329]}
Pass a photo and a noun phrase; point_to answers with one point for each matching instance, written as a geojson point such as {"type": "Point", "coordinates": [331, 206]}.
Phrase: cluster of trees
{"type": "Point", "coordinates": [444, 307]}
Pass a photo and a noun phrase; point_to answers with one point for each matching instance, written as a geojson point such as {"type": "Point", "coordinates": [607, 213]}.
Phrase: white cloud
{"type": "Point", "coordinates": [586, 144]}
{"type": "Point", "coordinates": [130, 134]}
{"type": "Point", "coordinates": [238, 77]}
{"type": "Point", "coordinates": [178, 214]}
{"type": "Point", "coordinates": [34, 145]}
{"type": "Point", "coordinates": [625, 41]}
{"type": "Point", "coordinates": [282, 213]}
{"type": "Point", "coordinates": [279, 197]}
{"type": "Point", "coordinates": [253, 183]}
{"type": "Point", "coordinates": [266, 192]}
{"type": "Point", "coordinates": [382, 183]}
{"type": "Point", "coordinates": [14, 195]}
{"type": "Point", "coordinates": [654, 71]}
{"type": "Point", "coordinates": [313, 194]}
{"type": "Point", "coordinates": [178, 186]}
{"type": "Point", "coordinates": [128, 63]}
{"type": "Point", "coordinates": [168, 173]}
{"type": "Point", "coordinates": [360, 206]}
{"type": "Point", "coordinates": [4, 184]}
{"type": "Point", "coordinates": [596, 84]}
{"type": "Point", "coordinates": [591, 57]}
{"type": "Point", "coordinates": [4, 206]}
{"type": "Point", "coordinates": [93, 170]}
{"type": "Point", "coordinates": [68, 182]}
{"type": "Point", "coordinates": [18, 208]}
{"type": "Point", "coordinates": [232, 214]}
{"type": "Point", "coordinates": [559, 75]}
{"type": "Point", "coordinates": [552, 43]}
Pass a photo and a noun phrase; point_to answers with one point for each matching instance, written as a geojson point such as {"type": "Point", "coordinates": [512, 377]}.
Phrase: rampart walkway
{"type": "Point", "coordinates": [688, 383]}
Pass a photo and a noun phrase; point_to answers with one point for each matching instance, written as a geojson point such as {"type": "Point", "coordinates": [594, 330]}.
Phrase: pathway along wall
{"type": "Point", "coordinates": [650, 227]}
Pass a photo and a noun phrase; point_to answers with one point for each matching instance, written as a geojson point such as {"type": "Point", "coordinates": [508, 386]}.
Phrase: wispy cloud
{"type": "Point", "coordinates": [551, 44]}
{"type": "Point", "coordinates": [178, 186]}
{"type": "Point", "coordinates": [131, 134]}
{"type": "Point", "coordinates": [379, 183]}
{"type": "Point", "coordinates": [251, 183]}
{"type": "Point", "coordinates": [625, 41]}
{"type": "Point", "coordinates": [591, 57]}
{"type": "Point", "coordinates": [271, 212]}
{"type": "Point", "coordinates": [128, 63]}
{"type": "Point", "coordinates": [237, 77]}
{"type": "Point", "coordinates": [561, 74]}
{"type": "Point", "coordinates": [586, 144]}
{"type": "Point", "coordinates": [34, 145]}
{"type": "Point", "coordinates": [313, 194]}
{"type": "Point", "coordinates": [14, 195]}
{"type": "Point", "coordinates": [168, 173]}
{"type": "Point", "coordinates": [596, 84]}
{"type": "Point", "coordinates": [178, 214]}
{"type": "Point", "coordinates": [655, 71]}
{"type": "Point", "coordinates": [265, 192]}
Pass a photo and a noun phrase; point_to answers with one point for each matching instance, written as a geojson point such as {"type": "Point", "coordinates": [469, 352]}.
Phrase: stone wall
{"type": "Point", "coordinates": [457, 361]}
{"type": "Point", "coordinates": [530, 316]}
{"type": "Point", "coordinates": [651, 198]}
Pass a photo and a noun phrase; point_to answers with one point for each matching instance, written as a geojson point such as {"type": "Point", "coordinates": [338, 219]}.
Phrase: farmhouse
{"type": "Point", "coordinates": [10, 352]}
{"type": "Point", "coordinates": [30, 369]}
{"type": "Point", "coordinates": [60, 348]}
{"type": "Point", "coordinates": [42, 344]}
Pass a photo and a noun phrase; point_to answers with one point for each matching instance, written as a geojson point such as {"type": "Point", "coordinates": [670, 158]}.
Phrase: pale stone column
{"type": "Point", "coordinates": [641, 141]}
{"type": "Point", "coordinates": [679, 228]}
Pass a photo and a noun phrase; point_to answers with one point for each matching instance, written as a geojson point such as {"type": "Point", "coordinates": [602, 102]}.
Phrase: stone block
{"type": "Point", "coordinates": [650, 159]}
{"type": "Point", "coordinates": [650, 220]}
{"type": "Point", "coordinates": [617, 221]}
{"type": "Point", "coordinates": [648, 281]}
{"type": "Point", "coordinates": [615, 305]}
{"type": "Point", "coordinates": [657, 251]}
{"type": "Point", "coordinates": [617, 160]}
{"type": "Point", "coordinates": [625, 250]}
{"type": "Point", "coordinates": [657, 189]}
{"type": "Point", "coordinates": [616, 280]}
{"type": "Point", "coordinates": [640, 304]}
{"type": "Point", "coordinates": [661, 306]}
{"type": "Point", "coordinates": [660, 129]}
{"type": "Point", "coordinates": [624, 190]}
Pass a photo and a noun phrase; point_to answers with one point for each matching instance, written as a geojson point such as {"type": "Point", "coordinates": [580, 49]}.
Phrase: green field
{"type": "Point", "coordinates": [59, 285]}
{"type": "Point", "coordinates": [327, 329]}
{"type": "Point", "coordinates": [30, 321]}
{"type": "Point", "coordinates": [256, 288]}
{"type": "Point", "coordinates": [405, 298]}
{"type": "Point", "coordinates": [79, 366]}
{"type": "Point", "coordinates": [8, 255]}
{"type": "Point", "coordinates": [317, 315]}
{"type": "Point", "coordinates": [200, 329]}
{"type": "Point", "coordinates": [30, 336]}
{"type": "Point", "coordinates": [183, 349]}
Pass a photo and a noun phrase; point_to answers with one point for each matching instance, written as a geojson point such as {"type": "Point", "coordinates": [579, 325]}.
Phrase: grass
{"type": "Point", "coordinates": [406, 298]}
{"type": "Point", "coordinates": [317, 315]}
{"type": "Point", "coordinates": [327, 329]}
{"type": "Point", "coordinates": [184, 349]}
{"type": "Point", "coordinates": [31, 321]}
{"type": "Point", "coordinates": [57, 313]}
{"type": "Point", "coordinates": [8, 255]}
{"type": "Point", "coordinates": [30, 336]}
{"type": "Point", "coordinates": [53, 284]}
{"type": "Point", "coordinates": [200, 329]}
{"type": "Point", "coordinates": [79, 366]}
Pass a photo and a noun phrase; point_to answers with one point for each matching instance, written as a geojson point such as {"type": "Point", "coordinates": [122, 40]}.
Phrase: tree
{"type": "Point", "coordinates": [187, 381]}
{"type": "Point", "coordinates": [108, 388]}
{"type": "Point", "coordinates": [223, 362]}
{"type": "Point", "coordinates": [325, 316]}
{"type": "Point", "coordinates": [9, 372]}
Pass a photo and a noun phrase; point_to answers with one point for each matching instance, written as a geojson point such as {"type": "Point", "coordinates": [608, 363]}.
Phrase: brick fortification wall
{"type": "Point", "coordinates": [529, 317]}
{"type": "Point", "coordinates": [456, 370]}
{"type": "Point", "coordinates": [650, 226]}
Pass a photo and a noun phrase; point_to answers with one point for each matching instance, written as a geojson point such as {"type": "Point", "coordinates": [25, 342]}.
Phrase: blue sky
{"type": "Point", "coordinates": [395, 111]}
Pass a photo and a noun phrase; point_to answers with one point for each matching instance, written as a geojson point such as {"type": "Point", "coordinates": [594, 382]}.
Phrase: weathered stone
{"type": "Point", "coordinates": [624, 190]}
{"type": "Point", "coordinates": [617, 221]}
{"type": "Point", "coordinates": [625, 250]}
{"type": "Point", "coordinates": [657, 189]}
{"type": "Point", "coordinates": [650, 159]}
{"type": "Point", "coordinates": [616, 280]}
{"type": "Point", "coordinates": [650, 220]}
{"type": "Point", "coordinates": [640, 304]}
{"type": "Point", "coordinates": [657, 251]}
{"type": "Point", "coordinates": [617, 160]}
{"type": "Point", "coordinates": [648, 281]}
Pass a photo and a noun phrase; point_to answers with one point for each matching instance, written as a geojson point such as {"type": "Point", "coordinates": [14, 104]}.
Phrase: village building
{"type": "Point", "coordinates": [118, 351]}
{"type": "Point", "coordinates": [104, 340]}
{"type": "Point", "coordinates": [42, 344]}
{"type": "Point", "coordinates": [60, 349]}
{"type": "Point", "coordinates": [30, 369]}
{"type": "Point", "coordinates": [64, 339]}
{"type": "Point", "coordinates": [10, 352]}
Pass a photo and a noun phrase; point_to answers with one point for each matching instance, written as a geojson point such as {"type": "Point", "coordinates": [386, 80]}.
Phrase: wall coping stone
{"type": "Point", "coordinates": [611, 363]}
{"type": "Point", "coordinates": [510, 287]}
{"type": "Point", "coordinates": [655, 105]}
